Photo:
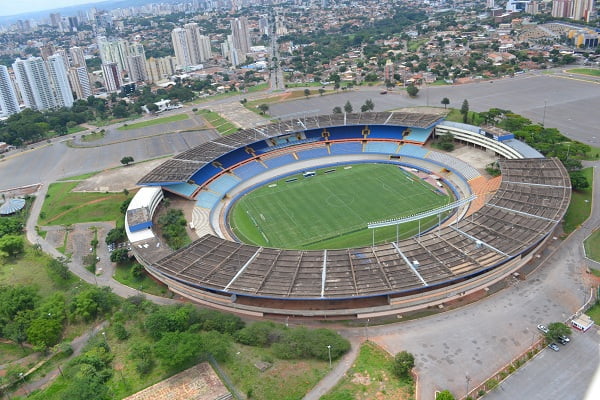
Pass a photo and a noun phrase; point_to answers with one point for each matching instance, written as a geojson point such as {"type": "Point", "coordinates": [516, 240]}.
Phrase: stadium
{"type": "Point", "coordinates": [348, 216]}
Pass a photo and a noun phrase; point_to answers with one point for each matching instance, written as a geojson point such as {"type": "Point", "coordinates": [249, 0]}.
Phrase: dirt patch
{"type": "Point", "coordinates": [117, 179]}
{"type": "Point", "coordinates": [56, 237]}
{"type": "Point", "coordinates": [361, 379]}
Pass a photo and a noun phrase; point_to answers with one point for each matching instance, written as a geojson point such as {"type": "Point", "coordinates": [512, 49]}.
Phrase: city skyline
{"type": "Point", "coordinates": [15, 8]}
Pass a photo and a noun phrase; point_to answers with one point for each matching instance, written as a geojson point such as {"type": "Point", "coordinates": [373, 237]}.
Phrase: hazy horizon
{"type": "Point", "coordinates": [27, 6]}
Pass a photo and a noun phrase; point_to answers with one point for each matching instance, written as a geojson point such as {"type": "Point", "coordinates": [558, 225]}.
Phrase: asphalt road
{"type": "Point", "coordinates": [571, 103]}
{"type": "Point", "coordinates": [564, 374]}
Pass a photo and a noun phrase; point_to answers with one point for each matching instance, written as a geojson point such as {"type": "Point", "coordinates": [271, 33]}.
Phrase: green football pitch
{"type": "Point", "coordinates": [332, 209]}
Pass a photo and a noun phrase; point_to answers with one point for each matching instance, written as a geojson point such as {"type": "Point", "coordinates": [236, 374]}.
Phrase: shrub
{"type": "Point", "coordinates": [402, 364]}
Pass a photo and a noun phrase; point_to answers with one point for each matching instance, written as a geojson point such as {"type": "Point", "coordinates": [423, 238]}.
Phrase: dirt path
{"type": "Point", "coordinates": [77, 344]}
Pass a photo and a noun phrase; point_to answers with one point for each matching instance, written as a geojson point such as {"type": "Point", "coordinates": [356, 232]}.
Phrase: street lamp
{"type": "Point", "coordinates": [329, 352]}
{"type": "Point", "coordinates": [468, 379]}
{"type": "Point", "coordinates": [544, 116]}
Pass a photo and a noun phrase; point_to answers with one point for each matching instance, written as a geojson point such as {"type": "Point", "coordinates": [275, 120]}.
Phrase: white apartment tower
{"type": "Point", "coordinates": [180, 45]}
{"type": "Point", "coordinates": [34, 83]}
{"type": "Point", "coordinates": [60, 81]}
{"type": "Point", "coordinates": [112, 76]}
{"type": "Point", "coordinates": [191, 47]}
{"type": "Point", "coordinates": [8, 97]}
{"type": "Point", "coordinates": [80, 82]}
{"type": "Point", "coordinates": [241, 36]}
{"type": "Point", "coordinates": [77, 57]}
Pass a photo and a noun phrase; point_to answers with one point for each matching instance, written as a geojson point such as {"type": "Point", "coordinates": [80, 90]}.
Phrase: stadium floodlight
{"type": "Point", "coordinates": [420, 216]}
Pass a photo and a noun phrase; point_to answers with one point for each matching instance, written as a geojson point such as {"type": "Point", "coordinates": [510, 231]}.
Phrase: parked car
{"type": "Point", "coordinates": [542, 328]}
{"type": "Point", "coordinates": [554, 346]}
{"type": "Point", "coordinates": [563, 339]}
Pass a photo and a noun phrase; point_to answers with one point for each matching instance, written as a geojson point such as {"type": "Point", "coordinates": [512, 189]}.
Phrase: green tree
{"type": "Point", "coordinates": [12, 245]}
{"type": "Point", "coordinates": [127, 160]}
{"type": "Point", "coordinates": [578, 180]}
{"type": "Point", "coordinates": [59, 267]}
{"type": "Point", "coordinates": [445, 102]}
{"type": "Point", "coordinates": [179, 349]}
{"type": "Point", "coordinates": [10, 226]}
{"type": "Point", "coordinates": [337, 110]}
{"type": "Point", "coordinates": [412, 90]}
{"type": "Point", "coordinates": [368, 106]}
{"type": "Point", "coordinates": [263, 108]}
{"type": "Point", "coordinates": [402, 364]}
{"type": "Point", "coordinates": [321, 91]}
{"type": "Point", "coordinates": [14, 300]}
{"type": "Point", "coordinates": [44, 332]}
{"type": "Point", "coordinates": [444, 395]}
{"type": "Point", "coordinates": [116, 235]}
{"type": "Point", "coordinates": [119, 256]}
{"type": "Point", "coordinates": [556, 330]}
{"type": "Point", "coordinates": [464, 110]}
{"type": "Point", "coordinates": [306, 92]}
{"type": "Point", "coordinates": [348, 107]}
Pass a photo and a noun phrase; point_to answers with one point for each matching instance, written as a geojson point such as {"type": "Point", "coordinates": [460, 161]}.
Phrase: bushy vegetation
{"type": "Point", "coordinates": [172, 225]}
{"type": "Point", "coordinates": [26, 317]}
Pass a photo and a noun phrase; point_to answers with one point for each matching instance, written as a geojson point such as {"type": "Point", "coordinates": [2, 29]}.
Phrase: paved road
{"type": "Point", "coordinates": [555, 375]}
{"type": "Point", "coordinates": [571, 104]}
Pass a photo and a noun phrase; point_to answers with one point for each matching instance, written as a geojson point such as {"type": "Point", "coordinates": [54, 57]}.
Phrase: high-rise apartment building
{"type": "Point", "coordinates": [562, 8]}
{"type": "Point", "coordinates": [77, 57]}
{"type": "Point", "coordinates": [60, 81]}
{"type": "Point", "coordinates": [241, 35]}
{"type": "Point", "coordinates": [181, 48]}
{"type": "Point", "coordinates": [34, 83]}
{"type": "Point", "coordinates": [583, 10]}
{"type": "Point", "coordinates": [160, 68]}
{"type": "Point", "coordinates": [8, 97]}
{"type": "Point", "coordinates": [112, 76]}
{"type": "Point", "coordinates": [137, 68]}
{"type": "Point", "coordinates": [191, 47]}
{"type": "Point", "coordinates": [115, 51]}
{"type": "Point", "coordinates": [80, 82]}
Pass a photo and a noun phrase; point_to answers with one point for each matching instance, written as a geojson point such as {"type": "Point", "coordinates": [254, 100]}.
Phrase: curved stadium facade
{"type": "Point", "coordinates": [484, 241]}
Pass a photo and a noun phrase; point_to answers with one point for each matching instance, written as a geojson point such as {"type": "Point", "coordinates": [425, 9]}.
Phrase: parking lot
{"type": "Point", "coordinates": [565, 374]}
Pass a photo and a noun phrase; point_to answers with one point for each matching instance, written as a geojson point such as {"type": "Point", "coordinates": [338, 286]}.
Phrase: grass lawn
{"type": "Point", "coordinates": [581, 204]}
{"type": "Point", "coordinates": [592, 246]}
{"type": "Point", "coordinates": [370, 378]}
{"type": "Point", "coordinates": [585, 71]}
{"type": "Point", "coordinates": [455, 116]}
{"type": "Point", "coordinates": [64, 207]}
{"type": "Point", "coordinates": [30, 269]}
{"type": "Point", "coordinates": [594, 313]}
{"type": "Point", "coordinates": [413, 45]}
{"type": "Point", "coordinates": [11, 351]}
{"type": "Point", "coordinates": [93, 136]}
{"type": "Point", "coordinates": [285, 380]}
{"type": "Point", "coordinates": [145, 284]}
{"type": "Point", "coordinates": [223, 126]}
{"type": "Point", "coordinates": [152, 122]}
{"type": "Point", "coordinates": [257, 88]}
{"type": "Point", "coordinates": [301, 84]}
{"type": "Point", "coordinates": [327, 211]}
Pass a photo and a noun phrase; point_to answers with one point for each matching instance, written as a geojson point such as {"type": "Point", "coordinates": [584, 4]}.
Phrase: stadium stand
{"type": "Point", "coordinates": [248, 170]}
{"type": "Point", "coordinates": [531, 198]}
{"type": "Point", "coordinates": [454, 164]}
{"type": "Point", "coordinates": [207, 199]}
{"type": "Point", "coordinates": [418, 135]}
{"type": "Point", "coordinates": [411, 150]}
{"type": "Point", "coordinates": [186, 190]}
{"type": "Point", "coordinates": [279, 161]}
{"type": "Point", "coordinates": [315, 152]}
{"type": "Point", "coordinates": [223, 184]}
{"type": "Point", "coordinates": [341, 148]}
{"type": "Point", "coordinates": [381, 147]}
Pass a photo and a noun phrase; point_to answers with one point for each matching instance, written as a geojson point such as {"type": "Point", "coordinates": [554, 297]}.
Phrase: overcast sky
{"type": "Point", "coordinates": [12, 7]}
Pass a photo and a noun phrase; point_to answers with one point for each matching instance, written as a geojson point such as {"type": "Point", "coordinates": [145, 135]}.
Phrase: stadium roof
{"type": "Point", "coordinates": [12, 206]}
{"type": "Point", "coordinates": [183, 166]}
